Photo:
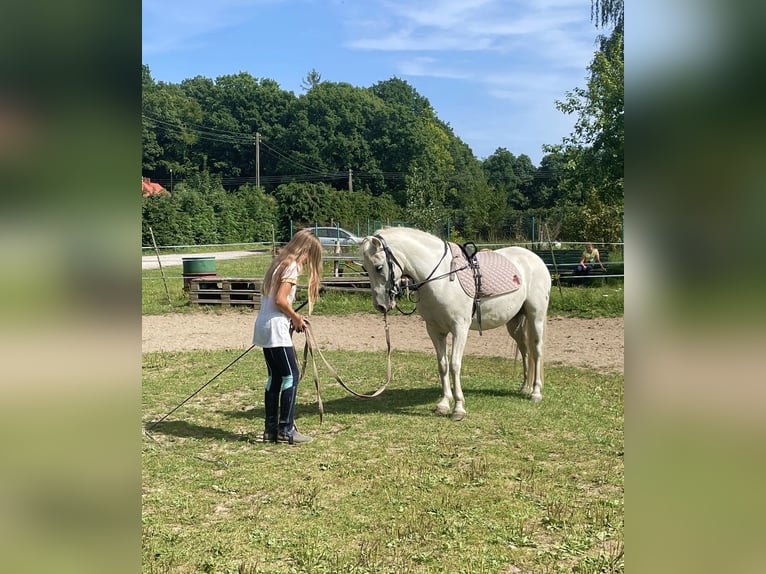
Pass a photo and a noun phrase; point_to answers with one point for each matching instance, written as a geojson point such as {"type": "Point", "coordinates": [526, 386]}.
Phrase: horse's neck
{"type": "Point", "coordinates": [419, 255]}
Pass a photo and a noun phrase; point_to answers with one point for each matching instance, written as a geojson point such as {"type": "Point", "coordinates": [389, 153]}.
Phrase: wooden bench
{"type": "Point", "coordinates": [567, 260]}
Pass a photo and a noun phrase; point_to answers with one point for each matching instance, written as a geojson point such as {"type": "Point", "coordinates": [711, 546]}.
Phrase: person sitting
{"type": "Point", "coordinates": [589, 258]}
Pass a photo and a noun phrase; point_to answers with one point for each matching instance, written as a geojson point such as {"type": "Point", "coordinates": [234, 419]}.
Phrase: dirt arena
{"type": "Point", "coordinates": [595, 343]}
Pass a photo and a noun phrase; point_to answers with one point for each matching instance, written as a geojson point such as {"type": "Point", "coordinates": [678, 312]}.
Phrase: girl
{"type": "Point", "coordinates": [589, 257]}
{"type": "Point", "coordinates": [273, 332]}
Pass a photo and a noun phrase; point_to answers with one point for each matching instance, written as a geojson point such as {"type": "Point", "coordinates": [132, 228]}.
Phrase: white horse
{"type": "Point", "coordinates": [394, 252]}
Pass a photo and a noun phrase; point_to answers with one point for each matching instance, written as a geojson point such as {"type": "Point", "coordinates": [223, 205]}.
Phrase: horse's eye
{"type": "Point", "coordinates": [379, 269]}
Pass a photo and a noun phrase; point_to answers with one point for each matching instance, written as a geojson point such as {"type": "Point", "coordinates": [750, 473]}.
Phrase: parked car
{"type": "Point", "coordinates": [329, 235]}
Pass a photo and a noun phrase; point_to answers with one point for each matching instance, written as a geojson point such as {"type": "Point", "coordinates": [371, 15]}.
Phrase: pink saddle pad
{"type": "Point", "coordinates": [498, 274]}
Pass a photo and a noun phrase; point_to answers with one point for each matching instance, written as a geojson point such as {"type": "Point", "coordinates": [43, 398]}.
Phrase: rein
{"type": "Point", "coordinates": [311, 347]}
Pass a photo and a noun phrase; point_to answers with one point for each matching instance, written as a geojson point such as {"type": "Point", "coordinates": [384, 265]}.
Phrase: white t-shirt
{"type": "Point", "coordinates": [272, 327]}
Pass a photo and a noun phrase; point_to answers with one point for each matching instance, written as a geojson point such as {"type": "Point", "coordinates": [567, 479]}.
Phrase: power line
{"type": "Point", "coordinates": [309, 173]}
{"type": "Point", "coordinates": [203, 132]}
{"type": "Point", "coordinates": [279, 155]}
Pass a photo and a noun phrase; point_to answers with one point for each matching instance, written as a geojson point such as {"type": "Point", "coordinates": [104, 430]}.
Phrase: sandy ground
{"type": "Point", "coordinates": [595, 343]}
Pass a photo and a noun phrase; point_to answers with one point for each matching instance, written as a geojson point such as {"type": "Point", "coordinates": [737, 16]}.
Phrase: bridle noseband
{"type": "Point", "coordinates": [394, 291]}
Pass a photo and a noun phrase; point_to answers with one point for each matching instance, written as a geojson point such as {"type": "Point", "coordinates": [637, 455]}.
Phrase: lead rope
{"type": "Point", "coordinates": [311, 346]}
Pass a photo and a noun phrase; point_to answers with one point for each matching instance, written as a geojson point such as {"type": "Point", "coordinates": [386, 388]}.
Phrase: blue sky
{"type": "Point", "coordinates": [492, 69]}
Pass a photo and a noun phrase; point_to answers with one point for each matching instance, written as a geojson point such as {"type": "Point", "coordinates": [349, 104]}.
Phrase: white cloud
{"type": "Point", "coordinates": [169, 25]}
{"type": "Point", "coordinates": [523, 52]}
{"type": "Point", "coordinates": [418, 41]}
{"type": "Point", "coordinates": [459, 25]}
{"type": "Point", "coordinates": [428, 66]}
{"type": "Point", "coordinates": [445, 15]}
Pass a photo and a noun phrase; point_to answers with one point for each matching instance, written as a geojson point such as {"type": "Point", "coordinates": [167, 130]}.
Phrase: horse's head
{"type": "Point", "coordinates": [381, 267]}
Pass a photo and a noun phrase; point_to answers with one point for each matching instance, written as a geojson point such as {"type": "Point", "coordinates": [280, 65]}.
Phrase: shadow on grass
{"type": "Point", "coordinates": [184, 429]}
{"type": "Point", "coordinates": [406, 402]}
{"type": "Point", "coordinates": [507, 393]}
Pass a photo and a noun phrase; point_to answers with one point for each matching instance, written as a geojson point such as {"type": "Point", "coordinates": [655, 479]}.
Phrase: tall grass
{"type": "Point", "coordinates": [386, 486]}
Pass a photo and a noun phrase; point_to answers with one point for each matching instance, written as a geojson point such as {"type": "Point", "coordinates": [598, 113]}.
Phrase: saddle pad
{"type": "Point", "coordinates": [498, 274]}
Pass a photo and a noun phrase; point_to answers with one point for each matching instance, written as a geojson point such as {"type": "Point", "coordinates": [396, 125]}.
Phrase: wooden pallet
{"type": "Point", "coordinates": [234, 291]}
{"type": "Point", "coordinates": [225, 291]}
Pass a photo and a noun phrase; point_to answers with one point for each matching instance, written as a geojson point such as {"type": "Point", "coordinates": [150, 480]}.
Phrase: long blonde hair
{"type": "Point", "coordinates": [303, 243]}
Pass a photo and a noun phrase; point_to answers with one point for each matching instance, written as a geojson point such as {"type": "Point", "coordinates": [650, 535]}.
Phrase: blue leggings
{"type": "Point", "coordinates": [281, 389]}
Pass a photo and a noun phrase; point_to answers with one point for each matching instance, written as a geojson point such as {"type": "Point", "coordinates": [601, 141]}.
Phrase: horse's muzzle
{"type": "Point", "coordinates": [387, 307]}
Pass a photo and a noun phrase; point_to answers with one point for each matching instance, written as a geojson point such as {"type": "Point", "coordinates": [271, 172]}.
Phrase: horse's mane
{"type": "Point", "coordinates": [398, 230]}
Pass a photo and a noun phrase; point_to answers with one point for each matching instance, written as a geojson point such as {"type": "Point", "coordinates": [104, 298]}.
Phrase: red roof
{"type": "Point", "coordinates": [148, 188]}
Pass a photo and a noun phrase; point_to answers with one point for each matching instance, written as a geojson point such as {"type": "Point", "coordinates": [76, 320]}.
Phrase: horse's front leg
{"type": "Point", "coordinates": [459, 338]}
{"type": "Point", "coordinates": [439, 341]}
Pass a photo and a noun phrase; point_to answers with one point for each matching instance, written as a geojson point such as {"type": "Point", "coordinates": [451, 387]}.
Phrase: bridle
{"type": "Point", "coordinates": [396, 288]}
{"type": "Point", "coordinates": [393, 286]}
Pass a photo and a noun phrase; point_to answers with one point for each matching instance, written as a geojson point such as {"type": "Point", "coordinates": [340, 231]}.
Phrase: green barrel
{"type": "Point", "coordinates": [194, 267]}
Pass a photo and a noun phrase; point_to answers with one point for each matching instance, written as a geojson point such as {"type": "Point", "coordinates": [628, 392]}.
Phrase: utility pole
{"type": "Point", "coordinates": [350, 181]}
{"type": "Point", "coordinates": [257, 159]}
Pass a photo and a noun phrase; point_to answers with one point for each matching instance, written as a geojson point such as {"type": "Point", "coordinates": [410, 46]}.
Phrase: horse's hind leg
{"type": "Point", "coordinates": [439, 341]}
{"type": "Point", "coordinates": [535, 332]}
{"type": "Point", "coordinates": [517, 331]}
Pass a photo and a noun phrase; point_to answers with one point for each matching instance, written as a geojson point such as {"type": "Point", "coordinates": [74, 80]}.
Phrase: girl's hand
{"type": "Point", "coordinates": [299, 323]}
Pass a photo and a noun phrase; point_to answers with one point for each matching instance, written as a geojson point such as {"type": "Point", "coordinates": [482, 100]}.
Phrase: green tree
{"type": "Point", "coordinates": [259, 213]}
{"type": "Point", "coordinates": [152, 150]}
{"type": "Point", "coordinates": [606, 12]}
{"type": "Point", "coordinates": [327, 132]}
{"type": "Point", "coordinates": [546, 190]}
{"type": "Point", "coordinates": [397, 136]}
{"type": "Point", "coordinates": [229, 216]}
{"type": "Point", "coordinates": [299, 203]}
{"type": "Point", "coordinates": [500, 172]}
{"type": "Point", "coordinates": [425, 203]}
{"type": "Point", "coordinates": [595, 150]}
{"type": "Point", "coordinates": [401, 154]}
{"type": "Point", "coordinates": [160, 213]}
{"type": "Point", "coordinates": [312, 80]}
{"type": "Point", "coordinates": [167, 114]}
{"type": "Point", "coordinates": [525, 172]}
{"type": "Point", "coordinates": [593, 153]}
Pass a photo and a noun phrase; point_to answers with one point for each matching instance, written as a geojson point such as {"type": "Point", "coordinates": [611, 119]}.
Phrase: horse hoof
{"type": "Point", "coordinates": [442, 411]}
{"type": "Point", "coordinates": [536, 397]}
{"type": "Point", "coordinates": [458, 416]}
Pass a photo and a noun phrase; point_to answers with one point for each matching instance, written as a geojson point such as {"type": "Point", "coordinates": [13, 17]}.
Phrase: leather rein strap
{"type": "Point", "coordinates": [311, 347]}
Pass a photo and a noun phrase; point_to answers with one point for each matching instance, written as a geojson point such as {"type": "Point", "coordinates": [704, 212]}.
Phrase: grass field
{"type": "Point", "coordinates": [386, 486]}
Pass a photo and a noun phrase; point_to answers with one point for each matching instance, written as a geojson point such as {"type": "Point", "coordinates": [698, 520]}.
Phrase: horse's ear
{"type": "Point", "coordinates": [371, 240]}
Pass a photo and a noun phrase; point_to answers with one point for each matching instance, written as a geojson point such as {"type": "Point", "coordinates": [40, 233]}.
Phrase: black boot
{"type": "Point", "coordinates": [271, 419]}
{"type": "Point", "coordinates": [286, 413]}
